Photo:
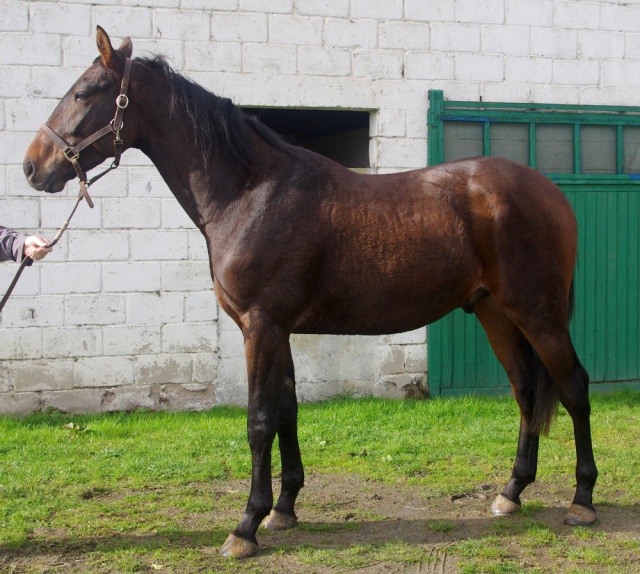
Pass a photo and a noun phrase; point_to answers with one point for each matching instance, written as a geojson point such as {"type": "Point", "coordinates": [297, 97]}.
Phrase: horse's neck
{"type": "Point", "coordinates": [203, 187]}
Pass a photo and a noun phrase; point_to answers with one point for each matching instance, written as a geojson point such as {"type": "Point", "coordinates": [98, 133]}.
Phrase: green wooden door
{"type": "Point", "coordinates": [593, 154]}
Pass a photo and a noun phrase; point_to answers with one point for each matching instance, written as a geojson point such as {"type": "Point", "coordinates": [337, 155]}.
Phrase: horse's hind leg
{"type": "Point", "coordinates": [518, 359]}
{"type": "Point", "coordinates": [571, 382]}
{"type": "Point", "coordinates": [283, 515]}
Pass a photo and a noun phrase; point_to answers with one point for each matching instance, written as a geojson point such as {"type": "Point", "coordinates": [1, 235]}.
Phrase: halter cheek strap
{"type": "Point", "coordinates": [72, 153]}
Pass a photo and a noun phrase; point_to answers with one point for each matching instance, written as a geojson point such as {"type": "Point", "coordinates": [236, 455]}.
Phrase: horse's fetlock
{"type": "Point", "coordinates": [293, 479]}
{"type": "Point", "coordinates": [261, 509]}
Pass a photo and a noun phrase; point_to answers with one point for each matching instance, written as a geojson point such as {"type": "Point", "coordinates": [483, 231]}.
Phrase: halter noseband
{"type": "Point", "coordinates": [72, 153]}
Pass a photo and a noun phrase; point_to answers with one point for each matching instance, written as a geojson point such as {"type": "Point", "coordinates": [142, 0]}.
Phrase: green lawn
{"type": "Point", "coordinates": [77, 486]}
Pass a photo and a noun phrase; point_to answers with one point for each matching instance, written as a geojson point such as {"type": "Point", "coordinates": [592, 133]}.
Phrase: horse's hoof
{"type": "Point", "coordinates": [579, 515]}
{"type": "Point", "coordinates": [502, 506]}
{"type": "Point", "coordinates": [280, 521]}
{"type": "Point", "coordinates": [236, 547]}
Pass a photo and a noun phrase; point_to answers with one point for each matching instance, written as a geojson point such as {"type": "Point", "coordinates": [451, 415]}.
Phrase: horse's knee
{"type": "Point", "coordinates": [261, 434]}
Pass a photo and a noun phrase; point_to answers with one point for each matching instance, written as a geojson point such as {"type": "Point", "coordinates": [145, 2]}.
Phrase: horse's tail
{"type": "Point", "coordinates": [545, 403]}
{"type": "Point", "coordinates": [545, 398]}
{"type": "Point", "coordinates": [571, 303]}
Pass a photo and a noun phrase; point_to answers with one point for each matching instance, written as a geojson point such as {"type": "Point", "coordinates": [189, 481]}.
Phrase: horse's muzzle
{"type": "Point", "coordinates": [47, 181]}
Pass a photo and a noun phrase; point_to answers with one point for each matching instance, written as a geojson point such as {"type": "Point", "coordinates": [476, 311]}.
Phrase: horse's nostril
{"type": "Point", "coordinates": [29, 168]}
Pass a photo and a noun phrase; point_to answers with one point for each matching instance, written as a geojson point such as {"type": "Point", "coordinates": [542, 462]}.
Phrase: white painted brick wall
{"type": "Point", "coordinates": [479, 11]}
{"type": "Point", "coordinates": [452, 37]}
{"type": "Point", "coordinates": [342, 33]}
{"type": "Point", "coordinates": [479, 67]}
{"type": "Point", "coordinates": [134, 339]}
{"type": "Point", "coordinates": [265, 58]}
{"type": "Point", "coordinates": [554, 42]}
{"type": "Point", "coordinates": [128, 21]}
{"type": "Point", "coordinates": [504, 39]}
{"type": "Point", "coordinates": [618, 17]}
{"type": "Point", "coordinates": [429, 65]}
{"type": "Point", "coordinates": [631, 43]}
{"type": "Point", "coordinates": [323, 61]}
{"type": "Point", "coordinates": [223, 56]}
{"type": "Point", "coordinates": [296, 30]}
{"type": "Point", "coordinates": [122, 313]}
{"type": "Point", "coordinates": [234, 27]}
{"type": "Point", "coordinates": [527, 13]}
{"type": "Point", "coordinates": [14, 17]}
{"type": "Point", "coordinates": [70, 277]}
{"type": "Point", "coordinates": [577, 15]}
{"type": "Point", "coordinates": [378, 64]}
{"type": "Point", "coordinates": [528, 70]}
{"type": "Point", "coordinates": [339, 8]}
{"type": "Point", "coordinates": [69, 18]}
{"type": "Point", "coordinates": [576, 72]}
{"type": "Point", "coordinates": [598, 44]}
{"type": "Point", "coordinates": [379, 10]}
{"type": "Point", "coordinates": [73, 342]}
{"type": "Point", "coordinates": [181, 25]}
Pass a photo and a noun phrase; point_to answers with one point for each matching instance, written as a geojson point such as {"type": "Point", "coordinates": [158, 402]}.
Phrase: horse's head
{"type": "Point", "coordinates": [86, 109]}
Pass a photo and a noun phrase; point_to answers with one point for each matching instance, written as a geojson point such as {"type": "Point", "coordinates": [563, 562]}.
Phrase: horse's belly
{"type": "Point", "coordinates": [385, 312]}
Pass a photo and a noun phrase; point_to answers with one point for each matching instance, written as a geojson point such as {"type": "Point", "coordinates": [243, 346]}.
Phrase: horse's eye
{"type": "Point", "coordinates": [81, 96]}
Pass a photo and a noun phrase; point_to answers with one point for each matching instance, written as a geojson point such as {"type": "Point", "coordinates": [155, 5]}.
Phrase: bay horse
{"type": "Point", "coordinates": [299, 244]}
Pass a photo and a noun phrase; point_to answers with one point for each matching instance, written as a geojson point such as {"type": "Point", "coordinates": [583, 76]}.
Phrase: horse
{"type": "Point", "coordinates": [300, 244]}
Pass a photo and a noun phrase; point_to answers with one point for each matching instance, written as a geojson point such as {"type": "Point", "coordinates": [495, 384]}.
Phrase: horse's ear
{"type": "Point", "coordinates": [126, 48]}
{"type": "Point", "coordinates": [105, 48]}
{"type": "Point", "coordinates": [108, 52]}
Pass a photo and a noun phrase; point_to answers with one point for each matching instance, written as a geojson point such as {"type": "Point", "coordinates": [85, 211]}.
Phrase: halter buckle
{"type": "Point", "coordinates": [71, 154]}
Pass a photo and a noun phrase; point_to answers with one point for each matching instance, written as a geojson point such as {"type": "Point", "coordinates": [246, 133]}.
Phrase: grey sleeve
{"type": "Point", "coordinates": [11, 244]}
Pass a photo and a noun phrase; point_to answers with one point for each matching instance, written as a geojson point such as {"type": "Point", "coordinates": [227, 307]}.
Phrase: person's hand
{"type": "Point", "coordinates": [36, 247]}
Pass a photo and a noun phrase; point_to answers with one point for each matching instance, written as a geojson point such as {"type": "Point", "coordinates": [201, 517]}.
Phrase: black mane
{"type": "Point", "coordinates": [220, 128]}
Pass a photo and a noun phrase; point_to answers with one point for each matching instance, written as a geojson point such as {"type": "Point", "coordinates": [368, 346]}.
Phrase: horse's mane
{"type": "Point", "coordinates": [219, 127]}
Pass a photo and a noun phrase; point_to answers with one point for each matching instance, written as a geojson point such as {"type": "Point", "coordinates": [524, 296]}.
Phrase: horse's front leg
{"type": "Point", "coordinates": [266, 353]}
{"type": "Point", "coordinates": [283, 515]}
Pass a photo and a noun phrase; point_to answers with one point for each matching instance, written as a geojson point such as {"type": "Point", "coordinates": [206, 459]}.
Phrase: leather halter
{"type": "Point", "coordinates": [72, 153]}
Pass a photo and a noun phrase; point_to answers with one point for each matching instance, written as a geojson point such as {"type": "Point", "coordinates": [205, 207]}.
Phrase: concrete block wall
{"type": "Point", "coordinates": [122, 314]}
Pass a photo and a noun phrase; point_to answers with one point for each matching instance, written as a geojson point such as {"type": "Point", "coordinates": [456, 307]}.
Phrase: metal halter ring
{"type": "Point", "coordinates": [120, 103]}
{"type": "Point", "coordinates": [114, 128]}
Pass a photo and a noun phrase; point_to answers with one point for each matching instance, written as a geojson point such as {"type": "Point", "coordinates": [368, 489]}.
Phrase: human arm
{"type": "Point", "coordinates": [15, 245]}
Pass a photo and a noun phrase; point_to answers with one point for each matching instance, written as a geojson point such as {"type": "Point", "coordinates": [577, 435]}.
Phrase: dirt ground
{"type": "Point", "coordinates": [377, 514]}
{"type": "Point", "coordinates": [407, 515]}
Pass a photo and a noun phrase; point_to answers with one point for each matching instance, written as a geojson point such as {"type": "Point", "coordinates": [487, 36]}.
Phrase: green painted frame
{"type": "Point", "coordinates": [441, 335]}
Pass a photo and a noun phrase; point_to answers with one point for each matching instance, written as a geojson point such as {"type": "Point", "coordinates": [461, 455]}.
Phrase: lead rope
{"type": "Point", "coordinates": [28, 261]}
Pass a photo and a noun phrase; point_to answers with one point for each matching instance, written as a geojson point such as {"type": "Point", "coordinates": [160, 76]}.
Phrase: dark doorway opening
{"type": "Point", "coordinates": [341, 135]}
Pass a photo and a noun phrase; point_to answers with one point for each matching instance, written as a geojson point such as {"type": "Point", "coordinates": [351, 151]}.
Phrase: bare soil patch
{"type": "Point", "coordinates": [337, 513]}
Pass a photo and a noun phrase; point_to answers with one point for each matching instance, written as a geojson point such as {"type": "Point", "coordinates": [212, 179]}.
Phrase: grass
{"type": "Point", "coordinates": [361, 555]}
{"type": "Point", "coordinates": [134, 492]}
